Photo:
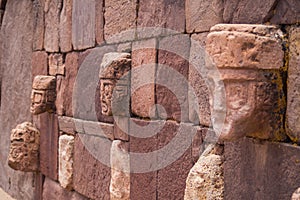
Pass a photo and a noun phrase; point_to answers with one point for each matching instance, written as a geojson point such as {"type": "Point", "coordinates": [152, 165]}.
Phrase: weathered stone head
{"type": "Point", "coordinates": [114, 76]}
{"type": "Point", "coordinates": [24, 148]}
{"type": "Point", "coordinates": [43, 94]}
{"type": "Point", "coordinates": [249, 59]}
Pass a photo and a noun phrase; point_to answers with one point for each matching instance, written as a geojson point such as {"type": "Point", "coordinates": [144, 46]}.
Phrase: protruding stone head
{"type": "Point", "coordinates": [24, 148]}
{"type": "Point", "coordinates": [43, 94]}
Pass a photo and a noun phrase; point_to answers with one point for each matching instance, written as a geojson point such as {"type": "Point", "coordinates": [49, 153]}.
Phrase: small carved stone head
{"type": "Point", "coordinates": [24, 148]}
{"type": "Point", "coordinates": [43, 94]}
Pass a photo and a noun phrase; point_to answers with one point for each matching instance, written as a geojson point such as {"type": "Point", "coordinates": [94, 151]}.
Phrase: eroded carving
{"type": "Point", "coordinates": [43, 94]}
{"type": "Point", "coordinates": [114, 83]}
{"type": "Point", "coordinates": [24, 148]}
{"type": "Point", "coordinates": [254, 94]}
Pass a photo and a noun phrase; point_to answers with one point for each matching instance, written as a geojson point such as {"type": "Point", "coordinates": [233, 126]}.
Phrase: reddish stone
{"type": "Point", "coordinates": [65, 26]}
{"type": "Point", "coordinates": [169, 187]}
{"type": "Point", "coordinates": [52, 12]}
{"type": "Point", "coordinates": [293, 97]}
{"type": "Point", "coordinates": [66, 125]}
{"type": "Point", "coordinates": [197, 144]}
{"type": "Point", "coordinates": [121, 22]}
{"type": "Point", "coordinates": [48, 125]}
{"type": "Point", "coordinates": [160, 14]}
{"type": "Point", "coordinates": [286, 12]}
{"type": "Point", "coordinates": [99, 22]}
{"type": "Point", "coordinates": [52, 190]}
{"type": "Point", "coordinates": [143, 71]}
{"type": "Point", "coordinates": [101, 117]}
{"type": "Point", "coordinates": [56, 64]}
{"type": "Point", "coordinates": [64, 86]}
{"type": "Point", "coordinates": [172, 77]}
{"type": "Point", "coordinates": [39, 63]}
{"type": "Point", "coordinates": [121, 128]}
{"type": "Point", "coordinates": [83, 24]}
{"type": "Point", "coordinates": [91, 176]}
{"type": "Point", "coordinates": [202, 14]}
{"type": "Point", "coordinates": [248, 12]}
{"type": "Point", "coordinates": [254, 169]}
{"type": "Point", "coordinates": [39, 24]}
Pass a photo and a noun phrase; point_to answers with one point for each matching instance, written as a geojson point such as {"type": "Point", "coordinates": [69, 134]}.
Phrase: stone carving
{"type": "Point", "coordinates": [249, 59]}
{"type": "Point", "coordinates": [114, 84]}
{"type": "Point", "coordinates": [43, 94]}
{"type": "Point", "coordinates": [24, 148]}
{"type": "Point", "coordinates": [56, 64]}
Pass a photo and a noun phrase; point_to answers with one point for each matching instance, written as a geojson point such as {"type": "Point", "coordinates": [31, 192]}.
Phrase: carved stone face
{"type": "Point", "coordinates": [43, 94]}
{"type": "Point", "coordinates": [106, 92]}
{"type": "Point", "coordinates": [24, 148]}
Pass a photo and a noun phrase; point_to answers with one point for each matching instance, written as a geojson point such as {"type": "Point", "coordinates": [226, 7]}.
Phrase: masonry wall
{"type": "Point", "coordinates": [68, 39]}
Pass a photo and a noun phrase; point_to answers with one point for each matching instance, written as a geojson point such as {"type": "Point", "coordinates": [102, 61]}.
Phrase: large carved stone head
{"type": "Point", "coordinates": [43, 94]}
{"type": "Point", "coordinates": [24, 148]}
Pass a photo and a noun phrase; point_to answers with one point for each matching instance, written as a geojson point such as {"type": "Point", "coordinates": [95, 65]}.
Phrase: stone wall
{"type": "Point", "coordinates": [142, 88]}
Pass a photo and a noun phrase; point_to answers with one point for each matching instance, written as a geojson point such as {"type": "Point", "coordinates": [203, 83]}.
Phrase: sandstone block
{"type": "Point", "coordinates": [56, 64]}
{"type": "Point", "coordinates": [99, 28]}
{"type": "Point", "coordinates": [124, 47]}
{"type": "Point", "coordinates": [172, 77]}
{"type": "Point", "coordinates": [83, 24]}
{"type": "Point", "coordinates": [24, 148]}
{"type": "Point", "coordinates": [66, 125]}
{"type": "Point", "coordinates": [121, 128]}
{"type": "Point", "coordinates": [39, 63]}
{"type": "Point", "coordinates": [43, 95]}
{"type": "Point", "coordinates": [293, 97]}
{"type": "Point", "coordinates": [91, 176]}
{"type": "Point", "coordinates": [286, 12]}
{"type": "Point", "coordinates": [52, 12]}
{"type": "Point", "coordinates": [255, 94]}
{"type": "Point", "coordinates": [65, 26]}
{"type": "Point", "coordinates": [243, 11]}
{"type": "Point", "coordinates": [266, 166]}
{"type": "Point", "coordinates": [48, 125]}
{"type": "Point", "coordinates": [160, 15]}
{"type": "Point", "coordinates": [199, 94]}
{"type": "Point", "coordinates": [202, 15]}
{"type": "Point", "coordinates": [65, 161]}
{"type": "Point", "coordinates": [65, 85]}
{"type": "Point", "coordinates": [52, 190]}
{"type": "Point", "coordinates": [39, 24]}
{"type": "Point", "coordinates": [120, 171]}
{"type": "Point", "coordinates": [119, 27]}
{"type": "Point", "coordinates": [143, 78]}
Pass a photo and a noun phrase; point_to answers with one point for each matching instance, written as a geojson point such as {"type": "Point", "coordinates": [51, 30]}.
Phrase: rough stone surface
{"type": "Point", "coordinates": [91, 177]}
{"type": "Point", "coordinates": [65, 161]}
{"type": "Point", "coordinates": [197, 143]}
{"type": "Point", "coordinates": [119, 27]}
{"type": "Point", "coordinates": [143, 78]}
{"type": "Point", "coordinates": [254, 170]}
{"type": "Point", "coordinates": [39, 63]}
{"type": "Point", "coordinates": [202, 14]}
{"type": "Point", "coordinates": [120, 171]}
{"type": "Point", "coordinates": [206, 180]}
{"type": "Point", "coordinates": [56, 64]}
{"type": "Point", "coordinates": [198, 83]}
{"type": "Point", "coordinates": [52, 190]}
{"type": "Point", "coordinates": [242, 11]}
{"type": "Point", "coordinates": [251, 46]}
{"type": "Point", "coordinates": [83, 24]}
{"type": "Point", "coordinates": [48, 125]}
{"type": "Point", "coordinates": [286, 12]}
{"type": "Point", "coordinates": [52, 13]}
{"type": "Point", "coordinates": [65, 26]}
{"type": "Point", "coordinates": [65, 85]}
{"type": "Point", "coordinates": [16, 81]}
{"type": "Point", "coordinates": [39, 24]}
{"type": "Point", "coordinates": [254, 94]}
{"type": "Point", "coordinates": [160, 14]}
{"type": "Point", "coordinates": [24, 148]}
{"type": "Point", "coordinates": [98, 129]}
{"type": "Point", "coordinates": [66, 125]}
{"type": "Point", "coordinates": [43, 95]}
{"type": "Point", "coordinates": [172, 77]}
{"type": "Point", "coordinates": [293, 96]}
{"type": "Point", "coordinates": [121, 128]}
{"type": "Point", "coordinates": [167, 186]}
{"type": "Point", "coordinates": [99, 28]}
{"type": "Point", "coordinates": [114, 84]}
